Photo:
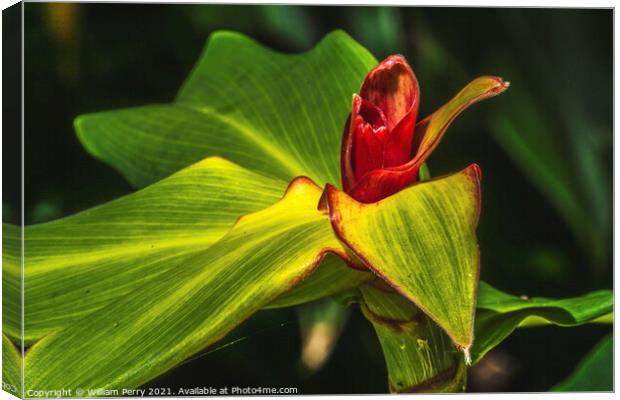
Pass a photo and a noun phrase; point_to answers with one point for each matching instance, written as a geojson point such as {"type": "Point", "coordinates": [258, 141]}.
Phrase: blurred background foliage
{"type": "Point", "coordinates": [545, 148]}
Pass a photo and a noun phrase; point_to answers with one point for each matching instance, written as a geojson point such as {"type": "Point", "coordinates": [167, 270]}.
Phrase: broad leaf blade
{"type": "Point", "coordinates": [419, 355]}
{"type": "Point", "coordinates": [182, 311]}
{"type": "Point", "coordinates": [422, 242]}
{"type": "Point", "coordinates": [595, 373]}
{"type": "Point", "coordinates": [500, 313]}
{"type": "Point", "coordinates": [78, 264]}
{"type": "Point", "coordinates": [277, 114]}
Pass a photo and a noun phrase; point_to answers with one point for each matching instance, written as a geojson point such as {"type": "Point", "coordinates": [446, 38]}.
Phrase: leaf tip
{"type": "Point", "coordinates": [78, 126]}
{"type": "Point", "coordinates": [467, 356]}
{"type": "Point", "coordinates": [474, 171]}
{"type": "Point", "coordinates": [500, 86]}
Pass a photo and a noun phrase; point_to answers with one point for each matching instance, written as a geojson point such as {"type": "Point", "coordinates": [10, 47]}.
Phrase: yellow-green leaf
{"type": "Point", "coordinates": [76, 265]}
{"type": "Point", "coordinates": [422, 242]}
{"type": "Point", "coordinates": [180, 312]}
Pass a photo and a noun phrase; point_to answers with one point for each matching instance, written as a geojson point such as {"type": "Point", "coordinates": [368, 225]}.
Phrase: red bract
{"type": "Point", "coordinates": [382, 147]}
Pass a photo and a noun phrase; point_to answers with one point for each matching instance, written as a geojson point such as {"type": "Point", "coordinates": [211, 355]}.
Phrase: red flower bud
{"type": "Point", "coordinates": [379, 130]}
{"type": "Point", "coordinates": [382, 147]}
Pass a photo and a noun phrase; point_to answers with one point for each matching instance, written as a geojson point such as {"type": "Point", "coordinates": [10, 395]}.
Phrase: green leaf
{"type": "Point", "coordinates": [276, 114]}
{"type": "Point", "coordinates": [499, 314]}
{"type": "Point", "coordinates": [594, 373]}
{"type": "Point", "coordinates": [422, 242]}
{"type": "Point", "coordinates": [419, 355]}
{"type": "Point", "coordinates": [78, 264]}
{"type": "Point", "coordinates": [182, 311]}
{"type": "Point", "coordinates": [11, 367]}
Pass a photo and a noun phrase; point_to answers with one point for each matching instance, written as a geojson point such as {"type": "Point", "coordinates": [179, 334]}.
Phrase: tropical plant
{"type": "Point", "coordinates": [237, 210]}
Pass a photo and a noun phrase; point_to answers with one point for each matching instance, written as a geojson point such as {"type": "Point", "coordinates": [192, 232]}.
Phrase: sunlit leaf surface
{"type": "Point", "coordinates": [78, 264]}
{"type": "Point", "coordinates": [182, 311]}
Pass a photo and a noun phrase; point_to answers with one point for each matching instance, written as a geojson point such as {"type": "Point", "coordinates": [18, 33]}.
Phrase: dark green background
{"type": "Point", "coordinates": [82, 58]}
